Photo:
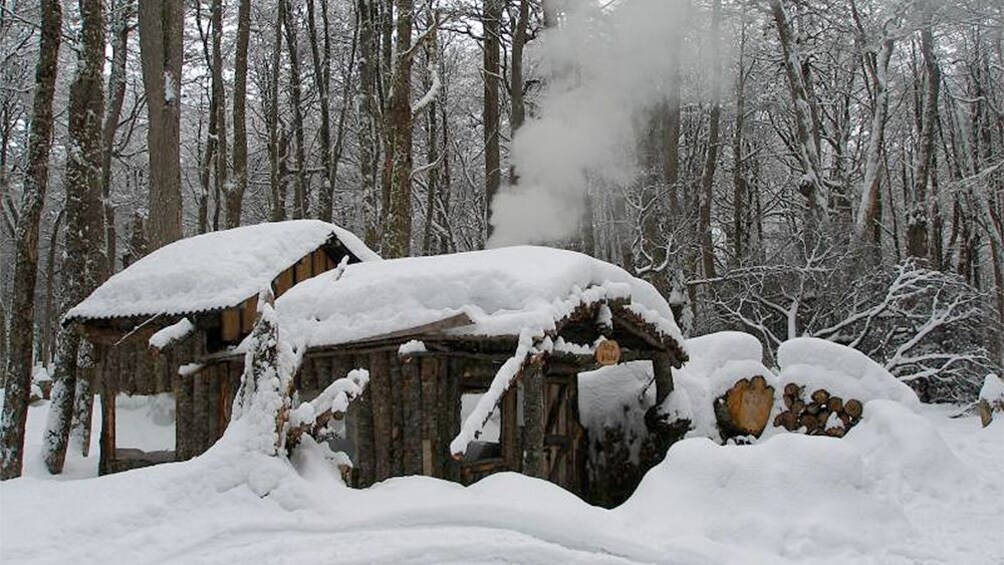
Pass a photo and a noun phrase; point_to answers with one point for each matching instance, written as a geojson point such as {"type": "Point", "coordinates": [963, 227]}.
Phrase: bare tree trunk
{"type": "Point", "coordinates": [918, 240]}
{"type": "Point", "coordinates": [879, 70]}
{"type": "Point", "coordinates": [17, 369]}
{"type": "Point", "coordinates": [160, 44]}
{"type": "Point", "coordinates": [48, 318]}
{"type": "Point", "coordinates": [397, 232]}
{"type": "Point", "coordinates": [517, 98]}
{"type": "Point", "coordinates": [275, 180]}
{"type": "Point", "coordinates": [300, 196]}
{"type": "Point", "coordinates": [491, 19]}
{"type": "Point", "coordinates": [235, 195]}
{"type": "Point", "coordinates": [367, 118]}
{"type": "Point", "coordinates": [711, 156]}
{"type": "Point", "coordinates": [811, 183]}
{"type": "Point", "coordinates": [322, 76]}
{"type": "Point", "coordinates": [83, 265]}
{"type": "Point", "coordinates": [219, 105]}
{"type": "Point", "coordinates": [122, 12]}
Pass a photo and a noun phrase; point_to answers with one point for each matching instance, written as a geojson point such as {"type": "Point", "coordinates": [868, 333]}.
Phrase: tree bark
{"type": "Point", "coordinates": [18, 365]}
{"type": "Point", "coordinates": [517, 97]}
{"type": "Point", "coordinates": [84, 264]}
{"type": "Point", "coordinates": [490, 21]}
{"type": "Point", "coordinates": [219, 105]}
{"type": "Point", "coordinates": [918, 239]}
{"type": "Point", "coordinates": [397, 231]}
{"type": "Point", "coordinates": [122, 12]}
{"type": "Point", "coordinates": [235, 195]}
{"type": "Point", "coordinates": [301, 198]}
{"type": "Point", "coordinates": [275, 178]}
{"type": "Point", "coordinates": [160, 44]}
{"type": "Point", "coordinates": [711, 156]}
{"type": "Point", "coordinates": [322, 78]}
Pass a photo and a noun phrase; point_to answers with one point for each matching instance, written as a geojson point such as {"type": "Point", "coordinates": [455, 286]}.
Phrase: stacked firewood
{"type": "Point", "coordinates": [818, 414]}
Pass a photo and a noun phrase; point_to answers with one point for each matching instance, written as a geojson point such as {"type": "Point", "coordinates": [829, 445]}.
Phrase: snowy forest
{"type": "Point", "coordinates": [783, 168]}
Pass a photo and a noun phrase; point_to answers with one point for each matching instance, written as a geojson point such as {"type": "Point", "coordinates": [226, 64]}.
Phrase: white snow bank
{"type": "Point", "coordinates": [503, 291]}
{"type": "Point", "coordinates": [791, 499]}
{"type": "Point", "coordinates": [145, 422]}
{"type": "Point", "coordinates": [842, 371]}
{"type": "Point", "coordinates": [212, 270]}
{"type": "Point", "coordinates": [170, 334]}
{"type": "Point", "coordinates": [792, 496]}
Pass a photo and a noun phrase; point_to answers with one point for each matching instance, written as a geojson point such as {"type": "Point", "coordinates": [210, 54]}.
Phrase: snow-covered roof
{"type": "Point", "coordinates": [211, 271]}
{"type": "Point", "coordinates": [504, 292]}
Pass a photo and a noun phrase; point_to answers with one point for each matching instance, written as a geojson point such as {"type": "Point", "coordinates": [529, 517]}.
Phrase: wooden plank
{"type": "Point", "coordinates": [108, 392]}
{"type": "Point", "coordinates": [411, 397]}
{"type": "Point", "coordinates": [303, 270]}
{"type": "Point", "coordinates": [382, 420]}
{"type": "Point", "coordinates": [456, 321]}
{"type": "Point", "coordinates": [533, 421]}
{"type": "Point", "coordinates": [230, 321]}
{"type": "Point", "coordinates": [200, 415]}
{"type": "Point", "coordinates": [319, 261]}
{"type": "Point", "coordinates": [283, 282]}
{"type": "Point", "coordinates": [429, 367]}
{"type": "Point", "coordinates": [509, 434]}
{"type": "Point", "coordinates": [397, 412]}
{"type": "Point", "coordinates": [213, 382]}
{"type": "Point", "coordinates": [361, 413]}
{"type": "Point", "coordinates": [183, 432]}
{"type": "Point", "coordinates": [249, 312]}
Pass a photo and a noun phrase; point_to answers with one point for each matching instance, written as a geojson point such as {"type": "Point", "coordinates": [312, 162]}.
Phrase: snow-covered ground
{"type": "Point", "coordinates": [900, 488]}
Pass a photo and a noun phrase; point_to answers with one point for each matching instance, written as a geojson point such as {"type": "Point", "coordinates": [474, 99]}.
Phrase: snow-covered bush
{"type": "Point", "coordinates": [926, 327]}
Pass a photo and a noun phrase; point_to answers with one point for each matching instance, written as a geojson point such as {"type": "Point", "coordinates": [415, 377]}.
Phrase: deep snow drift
{"type": "Point", "coordinates": [905, 486]}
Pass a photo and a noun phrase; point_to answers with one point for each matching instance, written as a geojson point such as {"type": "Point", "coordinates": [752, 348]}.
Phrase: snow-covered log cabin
{"type": "Point", "coordinates": [473, 357]}
{"type": "Point", "coordinates": [186, 302]}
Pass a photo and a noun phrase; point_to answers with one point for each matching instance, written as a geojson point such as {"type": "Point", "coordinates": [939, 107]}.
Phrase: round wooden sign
{"type": "Point", "coordinates": [608, 352]}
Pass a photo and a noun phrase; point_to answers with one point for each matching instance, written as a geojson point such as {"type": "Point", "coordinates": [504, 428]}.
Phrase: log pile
{"type": "Point", "coordinates": [744, 409]}
{"type": "Point", "coordinates": [821, 413]}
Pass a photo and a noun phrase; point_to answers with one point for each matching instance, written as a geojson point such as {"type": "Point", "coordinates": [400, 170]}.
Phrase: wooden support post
{"type": "Point", "coordinates": [109, 382]}
{"type": "Point", "coordinates": [662, 366]}
{"type": "Point", "coordinates": [533, 421]}
{"type": "Point", "coordinates": [200, 414]}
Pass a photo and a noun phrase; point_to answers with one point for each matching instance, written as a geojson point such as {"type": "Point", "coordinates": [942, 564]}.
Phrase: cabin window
{"type": "Point", "coordinates": [488, 445]}
{"type": "Point", "coordinates": [145, 422]}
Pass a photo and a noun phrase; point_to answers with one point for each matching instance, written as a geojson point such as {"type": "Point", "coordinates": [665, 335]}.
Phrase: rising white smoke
{"type": "Point", "coordinates": [603, 67]}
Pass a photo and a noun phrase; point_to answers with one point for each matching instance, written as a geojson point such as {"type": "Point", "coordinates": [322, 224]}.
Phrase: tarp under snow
{"type": "Point", "coordinates": [503, 291]}
{"type": "Point", "coordinates": [211, 271]}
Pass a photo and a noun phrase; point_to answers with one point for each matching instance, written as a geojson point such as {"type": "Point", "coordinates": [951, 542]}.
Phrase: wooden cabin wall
{"type": "Point", "coordinates": [406, 418]}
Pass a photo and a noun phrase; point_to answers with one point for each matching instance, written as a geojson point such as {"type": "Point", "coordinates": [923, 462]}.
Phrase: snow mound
{"type": "Point", "coordinates": [616, 396]}
{"type": "Point", "coordinates": [792, 496]}
{"type": "Point", "coordinates": [211, 271]}
{"type": "Point", "coordinates": [842, 371]}
{"type": "Point", "coordinates": [993, 389]}
{"type": "Point", "coordinates": [906, 450]}
{"type": "Point", "coordinates": [503, 291]}
{"type": "Point", "coordinates": [709, 352]}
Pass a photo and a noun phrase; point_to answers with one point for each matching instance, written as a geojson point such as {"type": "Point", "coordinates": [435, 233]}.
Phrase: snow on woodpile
{"type": "Point", "coordinates": [503, 291]}
{"type": "Point", "coordinates": [211, 271]}
{"type": "Point", "coordinates": [842, 371]}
